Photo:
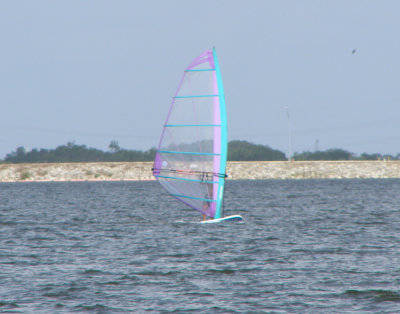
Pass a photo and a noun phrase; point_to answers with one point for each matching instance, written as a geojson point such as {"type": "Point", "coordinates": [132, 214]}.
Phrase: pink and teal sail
{"type": "Point", "coordinates": [190, 161]}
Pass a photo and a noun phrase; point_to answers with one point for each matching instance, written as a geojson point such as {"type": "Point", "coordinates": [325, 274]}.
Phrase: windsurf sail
{"type": "Point", "coordinates": [190, 161]}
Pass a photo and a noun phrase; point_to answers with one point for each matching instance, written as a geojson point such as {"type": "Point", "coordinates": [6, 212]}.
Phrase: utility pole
{"type": "Point", "coordinates": [289, 134]}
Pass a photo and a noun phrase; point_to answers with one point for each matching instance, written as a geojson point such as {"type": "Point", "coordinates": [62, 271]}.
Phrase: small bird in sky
{"type": "Point", "coordinates": [353, 52]}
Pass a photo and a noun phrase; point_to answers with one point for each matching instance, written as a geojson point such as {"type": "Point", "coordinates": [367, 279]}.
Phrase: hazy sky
{"type": "Point", "coordinates": [96, 71]}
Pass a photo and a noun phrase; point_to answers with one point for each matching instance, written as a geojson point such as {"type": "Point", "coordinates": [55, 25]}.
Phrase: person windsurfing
{"type": "Point", "coordinates": [207, 204]}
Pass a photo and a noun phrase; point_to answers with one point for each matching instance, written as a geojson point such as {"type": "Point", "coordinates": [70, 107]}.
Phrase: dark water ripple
{"type": "Point", "coordinates": [119, 247]}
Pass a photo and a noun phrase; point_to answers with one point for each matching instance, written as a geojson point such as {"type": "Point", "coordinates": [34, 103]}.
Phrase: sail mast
{"type": "Point", "coordinates": [222, 138]}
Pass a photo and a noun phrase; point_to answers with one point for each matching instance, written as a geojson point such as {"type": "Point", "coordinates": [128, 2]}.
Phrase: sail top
{"type": "Point", "coordinates": [191, 157]}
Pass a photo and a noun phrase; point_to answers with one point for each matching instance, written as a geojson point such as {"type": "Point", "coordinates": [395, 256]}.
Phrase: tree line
{"type": "Point", "coordinates": [340, 154]}
{"type": "Point", "coordinates": [72, 152]}
{"type": "Point", "coordinates": [237, 151]}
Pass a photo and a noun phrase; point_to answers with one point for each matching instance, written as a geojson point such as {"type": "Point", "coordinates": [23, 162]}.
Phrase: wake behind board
{"type": "Point", "coordinates": [233, 218]}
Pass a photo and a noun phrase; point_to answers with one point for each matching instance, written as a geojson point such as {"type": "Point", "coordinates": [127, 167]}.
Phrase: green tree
{"type": "Point", "coordinates": [365, 156]}
{"type": "Point", "coordinates": [243, 150]}
{"type": "Point", "coordinates": [330, 154]}
{"type": "Point", "coordinates": [114, 147]}
{"type": "Point", "coordinates": [18, 156]}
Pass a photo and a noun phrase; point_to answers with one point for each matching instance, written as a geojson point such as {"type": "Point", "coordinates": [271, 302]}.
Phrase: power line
{"type": "Point", "coordinates": [68, 132]}
{"type": "Point", "coordinates": [353, 126]}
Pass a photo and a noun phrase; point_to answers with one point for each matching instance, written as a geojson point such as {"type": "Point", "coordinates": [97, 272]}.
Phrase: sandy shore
{"type": "Point", "coordinates": [121, 171]}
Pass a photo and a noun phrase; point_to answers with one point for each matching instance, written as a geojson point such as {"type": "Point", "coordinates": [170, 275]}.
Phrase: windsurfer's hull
{"type": "Point", "coordinates": [233, 218]}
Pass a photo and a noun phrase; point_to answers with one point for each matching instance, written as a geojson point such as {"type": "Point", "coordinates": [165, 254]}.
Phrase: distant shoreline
{"type": "Point", "coordinates": [236, 170]}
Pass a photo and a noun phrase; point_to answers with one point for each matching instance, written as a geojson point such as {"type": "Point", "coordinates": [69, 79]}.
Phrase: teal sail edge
{"type": "Point", "coordinates": [224, 137]}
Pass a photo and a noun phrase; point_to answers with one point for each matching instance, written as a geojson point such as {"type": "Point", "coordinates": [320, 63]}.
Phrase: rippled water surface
{"type": "Point", "coordinates": [119, 247]}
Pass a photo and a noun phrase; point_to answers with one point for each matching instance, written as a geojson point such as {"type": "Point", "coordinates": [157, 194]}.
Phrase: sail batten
{"type": "Point", "coordinates": [186, 179]}
{"type": "Point", "coordinates": [191, 125]}
{"type": "Point", "coordinates": [194, 198]}
{"type": "Point", "coordinates": [188, 153]}
{"type": "Point", "coordinates": [199, 70]}
{"type": "Point", "coordinates": [190, 160]}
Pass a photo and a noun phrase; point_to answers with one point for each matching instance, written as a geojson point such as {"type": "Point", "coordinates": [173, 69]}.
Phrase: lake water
{"type": "Point", "coordinates": [119, 247]}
